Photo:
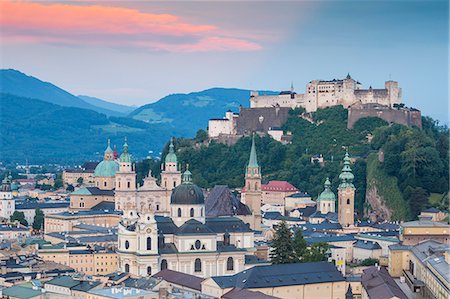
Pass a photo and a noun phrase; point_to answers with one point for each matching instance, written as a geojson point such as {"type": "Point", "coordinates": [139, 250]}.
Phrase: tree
{"type": "Point", "coordinates": [369, 262]}
{"type": "Point", "coordinates": [80, 181]}
{"type": "Point", "coordinates": [19, 216]}
{"type": "Point", "coordinates": [282, 250]}
{"type": "Point", "coordinates": [201, 136]}
{"type": "Point", "coordinates": [417, 198]}
{"type": "Point", "coordinates": [38, 222]}
{"type": "Point", "coordinates": [70, 188]}
{"type": "Point", "coordinates": [300, 245]}
{"type": "Point", "coordinates": [316, 252]}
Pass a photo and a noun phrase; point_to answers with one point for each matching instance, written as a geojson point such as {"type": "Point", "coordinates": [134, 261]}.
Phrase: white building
{"type": "Point", "coordinates": [7, 202]}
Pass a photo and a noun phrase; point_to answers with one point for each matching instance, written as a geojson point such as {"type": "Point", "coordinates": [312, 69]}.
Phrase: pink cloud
{"type": "Point", "coordinates": [96, 25]}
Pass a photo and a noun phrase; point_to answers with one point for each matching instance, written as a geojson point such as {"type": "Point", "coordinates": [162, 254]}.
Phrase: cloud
{"type": "Point", "coordinates": [98, 25]}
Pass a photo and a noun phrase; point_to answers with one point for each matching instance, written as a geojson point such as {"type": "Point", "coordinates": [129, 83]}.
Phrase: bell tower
{"type": "Point", "coordinates": [125, 180]}
{"type": "Point", "coordinates": [253, 194]}
{"type": "Point", "coordinates": [170, 175]}
{"type": "Point", "coordinates": [346, 195]}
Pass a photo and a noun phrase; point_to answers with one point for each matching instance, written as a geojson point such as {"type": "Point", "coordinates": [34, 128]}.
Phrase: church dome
{"type": "Point", "coordinates": [327, 194]}
{"type": "Point", "coordinates": [187, 193]}
{"type": "Point", "coordinates": [106, 168]}
{"type": "Point", "coordinates": [171, 157]}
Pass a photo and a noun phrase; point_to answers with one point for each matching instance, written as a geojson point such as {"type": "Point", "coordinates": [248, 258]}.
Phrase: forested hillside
{"type": "Point", "coordinates": [412, 156]}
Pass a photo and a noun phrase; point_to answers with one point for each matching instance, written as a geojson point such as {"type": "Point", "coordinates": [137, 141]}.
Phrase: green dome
{"type": "Point", "coordinates": [106, 168]}
{"type": "Point", "coordinates": [125, 156]}
{"type": "Point", "coordinates": [327, 194]}
{"type": "Point", "coordinates": [171, 157]}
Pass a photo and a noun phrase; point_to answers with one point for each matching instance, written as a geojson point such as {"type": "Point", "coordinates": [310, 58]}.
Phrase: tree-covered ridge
{"type": "Point", "coordinates": [325, 132]}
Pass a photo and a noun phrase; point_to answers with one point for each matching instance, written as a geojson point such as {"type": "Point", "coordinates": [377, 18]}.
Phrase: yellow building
{"type": "Point", "coordinates": [65, 222]}
{"type": "Point", "coordinates": [425, 267]}
{"type": "Point", "coordinates": [413, 232]}
{"type": "Point", "coordinates": [302, 281]}
{"type": "Point", "coordinates": [81, 258]}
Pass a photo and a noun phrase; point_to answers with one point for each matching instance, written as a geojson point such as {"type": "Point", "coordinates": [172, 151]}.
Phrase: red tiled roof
{"type": "Point", "coordinates": [277, 186]}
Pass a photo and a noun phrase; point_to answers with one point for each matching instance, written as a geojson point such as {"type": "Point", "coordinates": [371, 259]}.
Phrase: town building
{"type": "Point", "coordinates": [7, 202]}
{"type": "Point", "coordinates": [28, 208]}
{"type": "Point", "coordinates": [378, 284]}
{"type": "Point", "coordinates": [425, 267]}
{"type": "Point", "coordinates": [66, 221]}
{"type": "Point", "coordinates": [302, 281]}
{"type": "Point", "coordinates": [414, 232]}
{"type": "Point", "coordinates": [84, 174]}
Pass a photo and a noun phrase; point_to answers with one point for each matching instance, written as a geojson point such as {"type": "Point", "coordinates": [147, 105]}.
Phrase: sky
{"type": "Point", "coordinates": [135, 52]}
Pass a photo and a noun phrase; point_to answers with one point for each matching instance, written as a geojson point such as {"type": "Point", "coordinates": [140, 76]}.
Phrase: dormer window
{"type": "Point", "coordinates": [197, 244]}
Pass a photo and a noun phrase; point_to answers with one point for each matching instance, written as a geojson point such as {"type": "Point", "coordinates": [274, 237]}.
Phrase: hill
{"type": "Point", "coordinates": [122, 109]}
{"type": "Point", "coordinates": [47, 133]}
{"type": "Point", "coordinates": [188, 112]}
{"type": "Point", "coordinates": [19, 84]}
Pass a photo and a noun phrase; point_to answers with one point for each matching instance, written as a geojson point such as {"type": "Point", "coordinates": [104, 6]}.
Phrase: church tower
{"type": "Point", "coordinates": [253, 194]}
{"type": "Point", "coordinates": [326, 203]}
{"type": "Point", "coordinates": [7, 202]}
{"type": "Point", "coordinates": [125, 181]}
{"type": "Point", "coordinates": [170, 175]}
{"type": "Point", "coordinates": [346, 195]}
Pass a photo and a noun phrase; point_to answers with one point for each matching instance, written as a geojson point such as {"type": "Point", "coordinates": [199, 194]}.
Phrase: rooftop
{"type": "Point", "coordinates": [182, 279]}
{"type": "Point", "coordinates": [119, 292]}
{"type": "Point", "coordinates": [379, 284]}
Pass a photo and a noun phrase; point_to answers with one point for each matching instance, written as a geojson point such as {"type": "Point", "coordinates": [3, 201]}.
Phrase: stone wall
{"type": "Point", "coordinates": [404, 116]}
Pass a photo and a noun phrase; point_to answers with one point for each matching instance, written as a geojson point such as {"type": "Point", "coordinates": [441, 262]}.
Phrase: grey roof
{"type": "Point", "coordinates": [18, 291]}
{"type": "Point", "coordinates": [222, 202]}
{"type": "Point", "coordinates": [330, 238]}
{"type": "Point", "coordinates": [83, 213]}
{"type": "Point", "coordinates": [97, 191]}
{"type": "Point", "coordinates": [431, 210]}
{"type": "Point", "coordinates": [430, 253]}
{"type": "Point", "coordinates": [182, 279]}
{"type": "Point", "coordinates": [300, 194]}
{"type": "Point", "coordinates": [85, 285]}
{"type": "Point", "coordinates": [32, 205]}
{"type": "Point", "coordinates": [380, 285]}
{"type": "Point", "coordinates": [281, 275]}
{"type": "Point", "coordinates": [104, 206]}
{"type": "Point", "coordinates": [145, 283]}
{"type": "Point", "coordinates": [64, 281]}
{"type": "Point", "coordinates": [194, 227]}
{"type": "Point", "coordinates": [166, 225]}
{"type": "Point", "coordinates": [367, 245]}
{"type": "Point", "coordinates": [424, 223]}
{"type": "Point", "coordinates": [278, 216]}
{"type": "Point", "coordinates": [187, 194]}
{"type": "Point", "coordinates": [329, 216]}
{"type": "Point", "coordinates": [227, 224]}
{"type": "Point", "coordinates": [399, 247]}
{"type": "Point", "coordinates": [307, 211]}
{"type": "Point", "coordinates": [325, 225]}
{"type": "Point", "coordinates": [253, 259]}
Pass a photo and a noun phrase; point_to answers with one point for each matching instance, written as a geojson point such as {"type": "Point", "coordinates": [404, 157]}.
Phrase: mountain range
{"type": "Point", "coordinates": [43, 123]}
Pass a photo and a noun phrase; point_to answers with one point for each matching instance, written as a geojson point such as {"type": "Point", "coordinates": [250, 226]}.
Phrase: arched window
{"type": "Point", "coordinates": [230, 264]}
{"type": "Point", "coordinates": [119, 184]}
{"type": "Point", "coordinates": [198, 244]}
{"type": "Point", "coordinates": [198, 265]}
{"type": "Point", "coordinates": [163, 264]}
{"type": "Point", "coordinates": [165, 184]}
{"type": "Point", "coordinates": [149, 270]}
{"type": "Point", "coordinates": [149, 243]}
{"type": "Point", "coordinates": [348, 201]}
{"type": "Point", "coordinates": [174, 184]}
{"type": "Point", "coordinates": [128, 184]}
{"type": "Point", "coordinates": [157, 207]}
{"type": "Point", "coordinates": [127, 268]}
{"type": "Point", "coordinates": [104, 184]}
{"type": "Point", "coordinates": [179, 212]}
{"type": "Point", "coordinates": [256, 186]}
{"type": "Point", "coordinates": [127, 245]}
{"type": "Point", "coordinates": [192, 212]}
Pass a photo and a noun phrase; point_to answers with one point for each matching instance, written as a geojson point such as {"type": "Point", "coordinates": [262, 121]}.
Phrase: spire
{"type": "Point", "coordinates": [253, 161]}
{"type": "Point", "coordinates": [125, 156]}
{"type": "Point", "coordinates": [171, 150]}
{"type": "Point", "coordinates": [171, 157]}
{"type": "Point", "coordinates": [348, 76]}
{"type": "Point", "coordinates": [108, 148]}
{"type": "Point", "coordinates": [292, 86]}
{"type": "Point", "coordinates": [115, 154]}
{"type": "Point", "coordinates": [187, 176]}
{"type": "Point", "coordinates": [346, 175]}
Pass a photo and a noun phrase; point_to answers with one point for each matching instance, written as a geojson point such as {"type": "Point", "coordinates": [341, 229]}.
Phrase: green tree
{"type": "Point", "coordinates": [417, 199]}
{"type": "Point", "coordinates": [19, 216]}
{"type": "Point", "coordinates": [80, 181]}
{"type": "Point", "coordinates": [369, 262]}
{"type": "Point", "coordinates": [282, 248]}
{"type": "Point", "coordinates": [70, 188]}
{"type": "Point", "coordinates": [300, 245]}
{"type": "Point", "coordinates": [317, 252]}
{"type": "Point", "coordinates": [201, 136]}
{"type": "Point", "coordinates": [38, 221]}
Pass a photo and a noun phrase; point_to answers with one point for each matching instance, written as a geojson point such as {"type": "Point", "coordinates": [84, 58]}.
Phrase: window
{"type": "Point", "coordinates": [348, 201]}
{"type": "Point", "coordinates": [226, 239]}
{"type": "Point", "coordinates": [198, 265]}
{"type": "Point", "coordinates": [127, 268]}
{"type": "Point", "coordinates": [230, 264]}
{"type": "Point", "coordinates": [174, 184]}
{"type": "Point", "coordinates": [157, 207]}
{"type": "Point", "coordinates": [149, 243]}
{"type": "Point", "coordinates": [128, 184]}
{"type": "Point", "coordinates": [119, 184]}
{"type": "Point", "coordinates": [127, 245]}
{"type": "Point", "coordinates": [163, 264]}
{"type": "Point", "coordinates": [197, 244]}
{"type": "Point", "coordinates": [149, 270]}
{"type": "Point", "coordinates": [104, 184]}
{"type": "Point", "coordinates": [192, 212]}
{"type": "Point", "coordinates": [179, 212]}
